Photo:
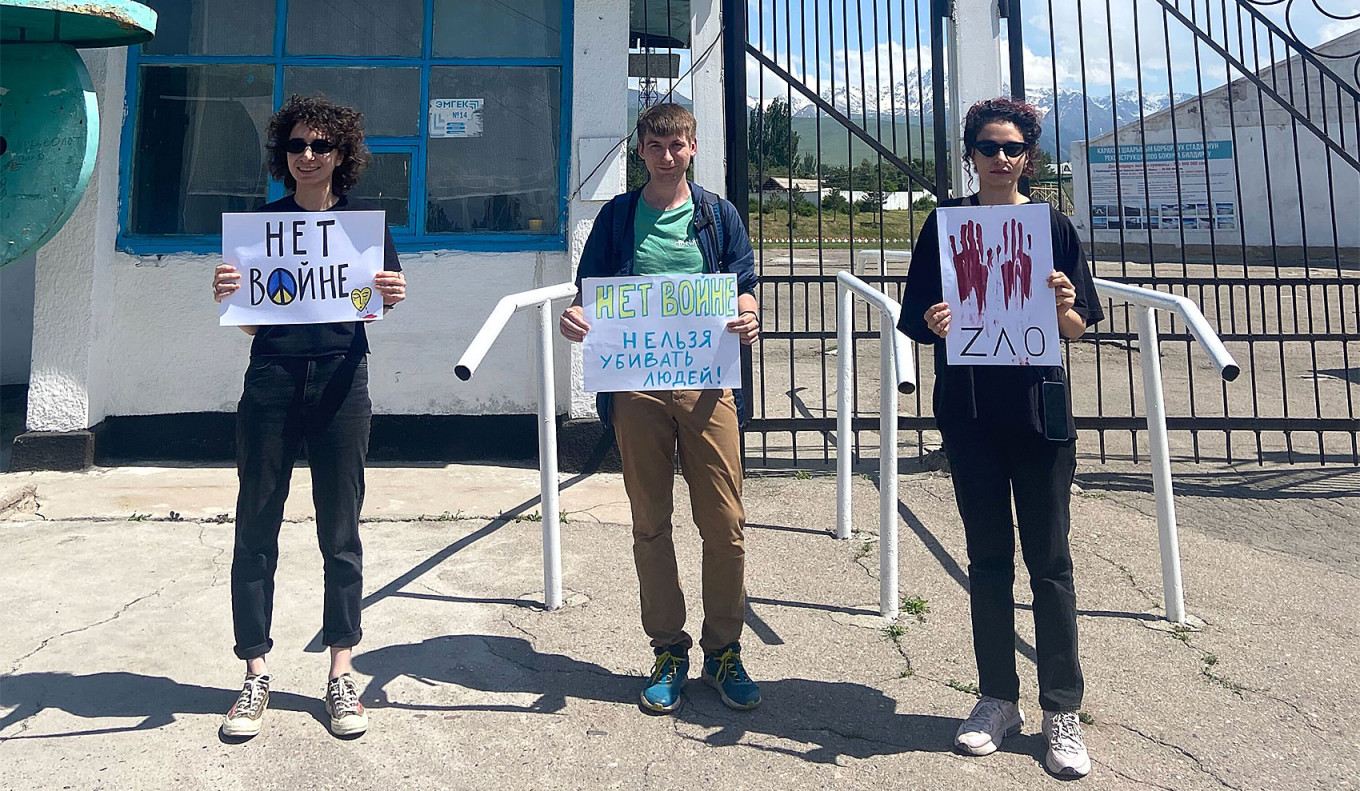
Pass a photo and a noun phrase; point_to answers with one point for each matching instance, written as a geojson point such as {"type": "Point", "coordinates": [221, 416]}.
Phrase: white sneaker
{"type": "Point", "coordinates": [991, 721]}
{"type": "Point", "coordinates": [1066, 750]}
{"type": "Point", "coordinates": [247, 713]}
{"type": "Point", "coordinates": [348, 717]}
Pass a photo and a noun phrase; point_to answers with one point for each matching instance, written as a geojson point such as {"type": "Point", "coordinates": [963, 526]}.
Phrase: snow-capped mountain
{"type": "Point", "coordinates": [1078, 116]}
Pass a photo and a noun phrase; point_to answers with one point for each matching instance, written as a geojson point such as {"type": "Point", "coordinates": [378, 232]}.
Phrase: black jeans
{"type": "Point", "coordinates": [988, 466]}
{"type": "Point", "coordinates": [287, 403]}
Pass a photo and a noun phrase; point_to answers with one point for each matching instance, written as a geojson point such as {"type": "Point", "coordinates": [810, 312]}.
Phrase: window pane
{"type": "Point", "coordinates": [212, 27]}
{"type": "Point", "coordinates": [389, 98]}
{"type": "Point", "coordinates": [199, 146]}
{"type": "Point", "coordinates": [505, 178]}
{"type": "Point", "coordinates": [387, 183]}
{"type": "Point", "coordinates": [354, 27]}
{"type": "Point", "coordinates": [506, 29]}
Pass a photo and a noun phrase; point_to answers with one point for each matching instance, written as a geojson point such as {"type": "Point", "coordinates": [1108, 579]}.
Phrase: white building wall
{"type": "Point", "coordinates": [117, 334]}
{"type": "Point", "coordinates": [1280, 190]}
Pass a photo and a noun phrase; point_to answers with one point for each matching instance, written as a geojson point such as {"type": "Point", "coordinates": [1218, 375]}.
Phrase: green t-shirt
{"type": "Point", "coordinates": [664, 241]}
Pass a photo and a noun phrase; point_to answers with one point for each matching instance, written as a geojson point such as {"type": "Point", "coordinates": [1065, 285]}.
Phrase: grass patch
{"type": "Point", "coordinates": [894, 632]}
{"type": "Point", "coordinates": [897, 224]}
{"type": "Point", "coordinates": [963, 686]}
{"type": "Point", "coordinates": [1085, 717]}
{"type": "Point", "coordinates": [916, 607]}
{"type": "Point", "coordinates": [802, 475]}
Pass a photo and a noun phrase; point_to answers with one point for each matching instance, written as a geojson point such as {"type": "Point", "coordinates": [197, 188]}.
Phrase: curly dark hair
{"type": "Point", "coordinates": [343, 126]}
{"type": "Point", "coordinates": [1025, 117]}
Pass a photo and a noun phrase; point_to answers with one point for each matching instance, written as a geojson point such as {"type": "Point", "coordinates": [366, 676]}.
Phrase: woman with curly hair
{"type": "Point", "coordinates": [992, 420]}
{"type": "Point", "coordinates": [307, 385]}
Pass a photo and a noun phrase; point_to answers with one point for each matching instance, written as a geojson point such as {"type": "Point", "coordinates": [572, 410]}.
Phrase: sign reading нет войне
{"type": "Point", "coordinates": [667, 332]}
{"type": "Point", "coordinates": [303, 267]}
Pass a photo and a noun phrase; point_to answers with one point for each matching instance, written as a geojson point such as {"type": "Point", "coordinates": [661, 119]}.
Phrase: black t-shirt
{"type": "Point", "coordinates": [319, 340]}
{"type": "Point", "coordinates": [1000, 396]}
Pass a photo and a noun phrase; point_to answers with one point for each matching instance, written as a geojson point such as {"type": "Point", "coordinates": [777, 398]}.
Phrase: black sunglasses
{"type": "Point", "coordinates": [988, 148]}
{"type": "Point", "coordinates": [320, 146]}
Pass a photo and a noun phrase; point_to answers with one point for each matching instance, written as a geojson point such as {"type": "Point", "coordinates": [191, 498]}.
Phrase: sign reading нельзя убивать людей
{"type": "Point", "coordinates": [303, 267]}
{"type": "Point", "coordinates": [667, 332]}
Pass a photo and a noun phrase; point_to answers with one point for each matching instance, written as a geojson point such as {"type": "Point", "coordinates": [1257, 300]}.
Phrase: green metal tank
{"type": "Point", "coordinates": [49, 118]}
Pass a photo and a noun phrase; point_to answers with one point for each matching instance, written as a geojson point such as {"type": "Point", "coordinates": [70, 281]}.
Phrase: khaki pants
{"type": "Point", "coordinates": [647, 427]}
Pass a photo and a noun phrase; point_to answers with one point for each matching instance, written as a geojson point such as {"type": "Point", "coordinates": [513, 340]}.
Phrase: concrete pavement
{"type": "Point", "coordinates": [117, 662]}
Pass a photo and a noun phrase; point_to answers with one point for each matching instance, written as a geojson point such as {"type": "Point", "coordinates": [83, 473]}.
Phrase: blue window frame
{"type": "Point", "coordinates": [199, 97]}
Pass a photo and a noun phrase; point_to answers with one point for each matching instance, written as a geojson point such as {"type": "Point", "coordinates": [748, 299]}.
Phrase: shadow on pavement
{"type": "Point", "coordinates": [1301, 483]}
{"type": "Point", "coordinates": [833, 718]}
{"type": "Point", "coordinates": [155, 699]}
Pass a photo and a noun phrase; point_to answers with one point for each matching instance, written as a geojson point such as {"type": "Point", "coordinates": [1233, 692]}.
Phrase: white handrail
{"type": "Point", "coordinates": [1153, 402]}
{"type": "Point", "coordinates": [869, 255]}
{"type": "Point", "coordinates": [541, 298]}
{"type": "Point", "coordinates": [896, 373]}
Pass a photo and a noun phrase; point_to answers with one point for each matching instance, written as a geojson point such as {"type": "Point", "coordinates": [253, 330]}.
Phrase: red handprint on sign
{"type": "Point", "coordinates": [969, 270]}
{"type": "Point", "coordinates": [1018, 266]}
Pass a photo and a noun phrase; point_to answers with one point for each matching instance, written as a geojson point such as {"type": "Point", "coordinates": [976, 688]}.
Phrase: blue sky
{"type": "Point", "coordinates": [830, 40]}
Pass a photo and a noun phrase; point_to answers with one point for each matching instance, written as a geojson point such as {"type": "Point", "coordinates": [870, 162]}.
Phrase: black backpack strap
{"type": "Point", "coordinates": [717, 226]}
{"type": "Point", "coordinates": [621, 205]}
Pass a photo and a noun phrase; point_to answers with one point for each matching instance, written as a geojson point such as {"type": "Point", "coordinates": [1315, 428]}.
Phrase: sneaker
{"type": "Point", "coordinates": [1066, 749]}
{"type": "Point", "coordinates": [991, 720]}
{"type": "Point", "coordinates": [662, 693]}
{"type": "Point", "coordinates": [348, 717]}
{"type": "Point", "coordinates": [247, 714]}
{"type": "Point", "coordinates": [723, 671]}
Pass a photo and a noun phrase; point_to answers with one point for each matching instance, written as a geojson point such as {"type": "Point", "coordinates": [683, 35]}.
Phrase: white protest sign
{"type": "Point", "coordinates": [994, 268]}
{"type": "Point", "coordinates": [303, 267]}
{"type": "Point", "coordinates": [667, 332]}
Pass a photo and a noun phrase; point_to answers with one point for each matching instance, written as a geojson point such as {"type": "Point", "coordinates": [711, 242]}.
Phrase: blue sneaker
{"type": "Point", "coordinates": [723, 671]}
{"type": "Point", "coordinates": [662, 693]}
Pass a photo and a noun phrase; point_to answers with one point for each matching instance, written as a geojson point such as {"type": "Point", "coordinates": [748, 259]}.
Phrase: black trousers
{"type": "Point", "coordinates": [989, 467]}
{"type": "Point", "coordinates": [286, 404]}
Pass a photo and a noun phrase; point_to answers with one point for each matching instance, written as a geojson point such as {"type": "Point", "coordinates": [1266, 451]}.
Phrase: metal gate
{"type": "Point", "coordinates": [1204, 147]}
{"type": "Point", "coordinates": [836, 154]}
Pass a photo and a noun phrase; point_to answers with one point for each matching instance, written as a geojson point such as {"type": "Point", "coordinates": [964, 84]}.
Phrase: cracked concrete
{"type": "Point", "coordinates": [118, 642]}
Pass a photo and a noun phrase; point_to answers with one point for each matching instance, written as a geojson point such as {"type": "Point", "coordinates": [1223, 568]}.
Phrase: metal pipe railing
{"type": "Point", "coordinates": [541, 298]}
{"type": "Point", "coordinates": [1149, 348]}
{"type": "Point", "coordinates": [896, 373]}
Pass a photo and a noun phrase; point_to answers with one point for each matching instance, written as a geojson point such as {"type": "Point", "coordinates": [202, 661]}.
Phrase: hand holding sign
{"type": "Point", "coordinates": [1064, 293]}
{"type": "Point", "coordinates": [226, 280]}
{"type": "Point", "coordinates": [392, 287]}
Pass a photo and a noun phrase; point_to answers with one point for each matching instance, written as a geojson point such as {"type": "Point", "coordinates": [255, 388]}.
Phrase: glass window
{"type": "Point", "coordinates": [212, 27]}
{"type": "Point", "coordinates": [387, 183]}
{"type": "Point", "coordinates": [373, 28]}
{"type": "Point", "coordinates": [504, 29]}
{"type": "Point", "coordinates": [207, 85]}
{"type": "Point", "coordinates": [389, 97]}
{"type": "Point", "coordinates": [199, 146]}
{"type": "Point", "coordinates": [505, 178]}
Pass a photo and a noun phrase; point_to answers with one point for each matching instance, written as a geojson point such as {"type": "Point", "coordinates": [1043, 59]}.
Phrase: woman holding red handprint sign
{"type": "Point", "coordinates": [1008, 432]}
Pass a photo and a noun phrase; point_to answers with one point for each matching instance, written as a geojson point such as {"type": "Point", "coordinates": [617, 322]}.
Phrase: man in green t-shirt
{"type": "Point", "coordinates": [672, 226]}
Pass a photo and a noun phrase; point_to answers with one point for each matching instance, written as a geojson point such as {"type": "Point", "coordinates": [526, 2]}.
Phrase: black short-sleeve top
{"type": "Point", "coordinates": [992, 395]}
{"type": "Point", "coordinates": [340, 339]}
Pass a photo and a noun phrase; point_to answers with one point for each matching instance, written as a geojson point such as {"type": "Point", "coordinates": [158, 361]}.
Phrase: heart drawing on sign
{"type": "Point", "coordinates": [360, 298]}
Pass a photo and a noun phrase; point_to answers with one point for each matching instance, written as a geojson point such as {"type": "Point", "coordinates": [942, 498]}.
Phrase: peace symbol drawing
{"type": "Point", "coordinates": [281, 287]}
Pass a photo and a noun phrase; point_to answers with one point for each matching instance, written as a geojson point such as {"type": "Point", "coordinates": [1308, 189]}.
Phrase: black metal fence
{"type": "Point", "coordinates": [1203, 147]}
